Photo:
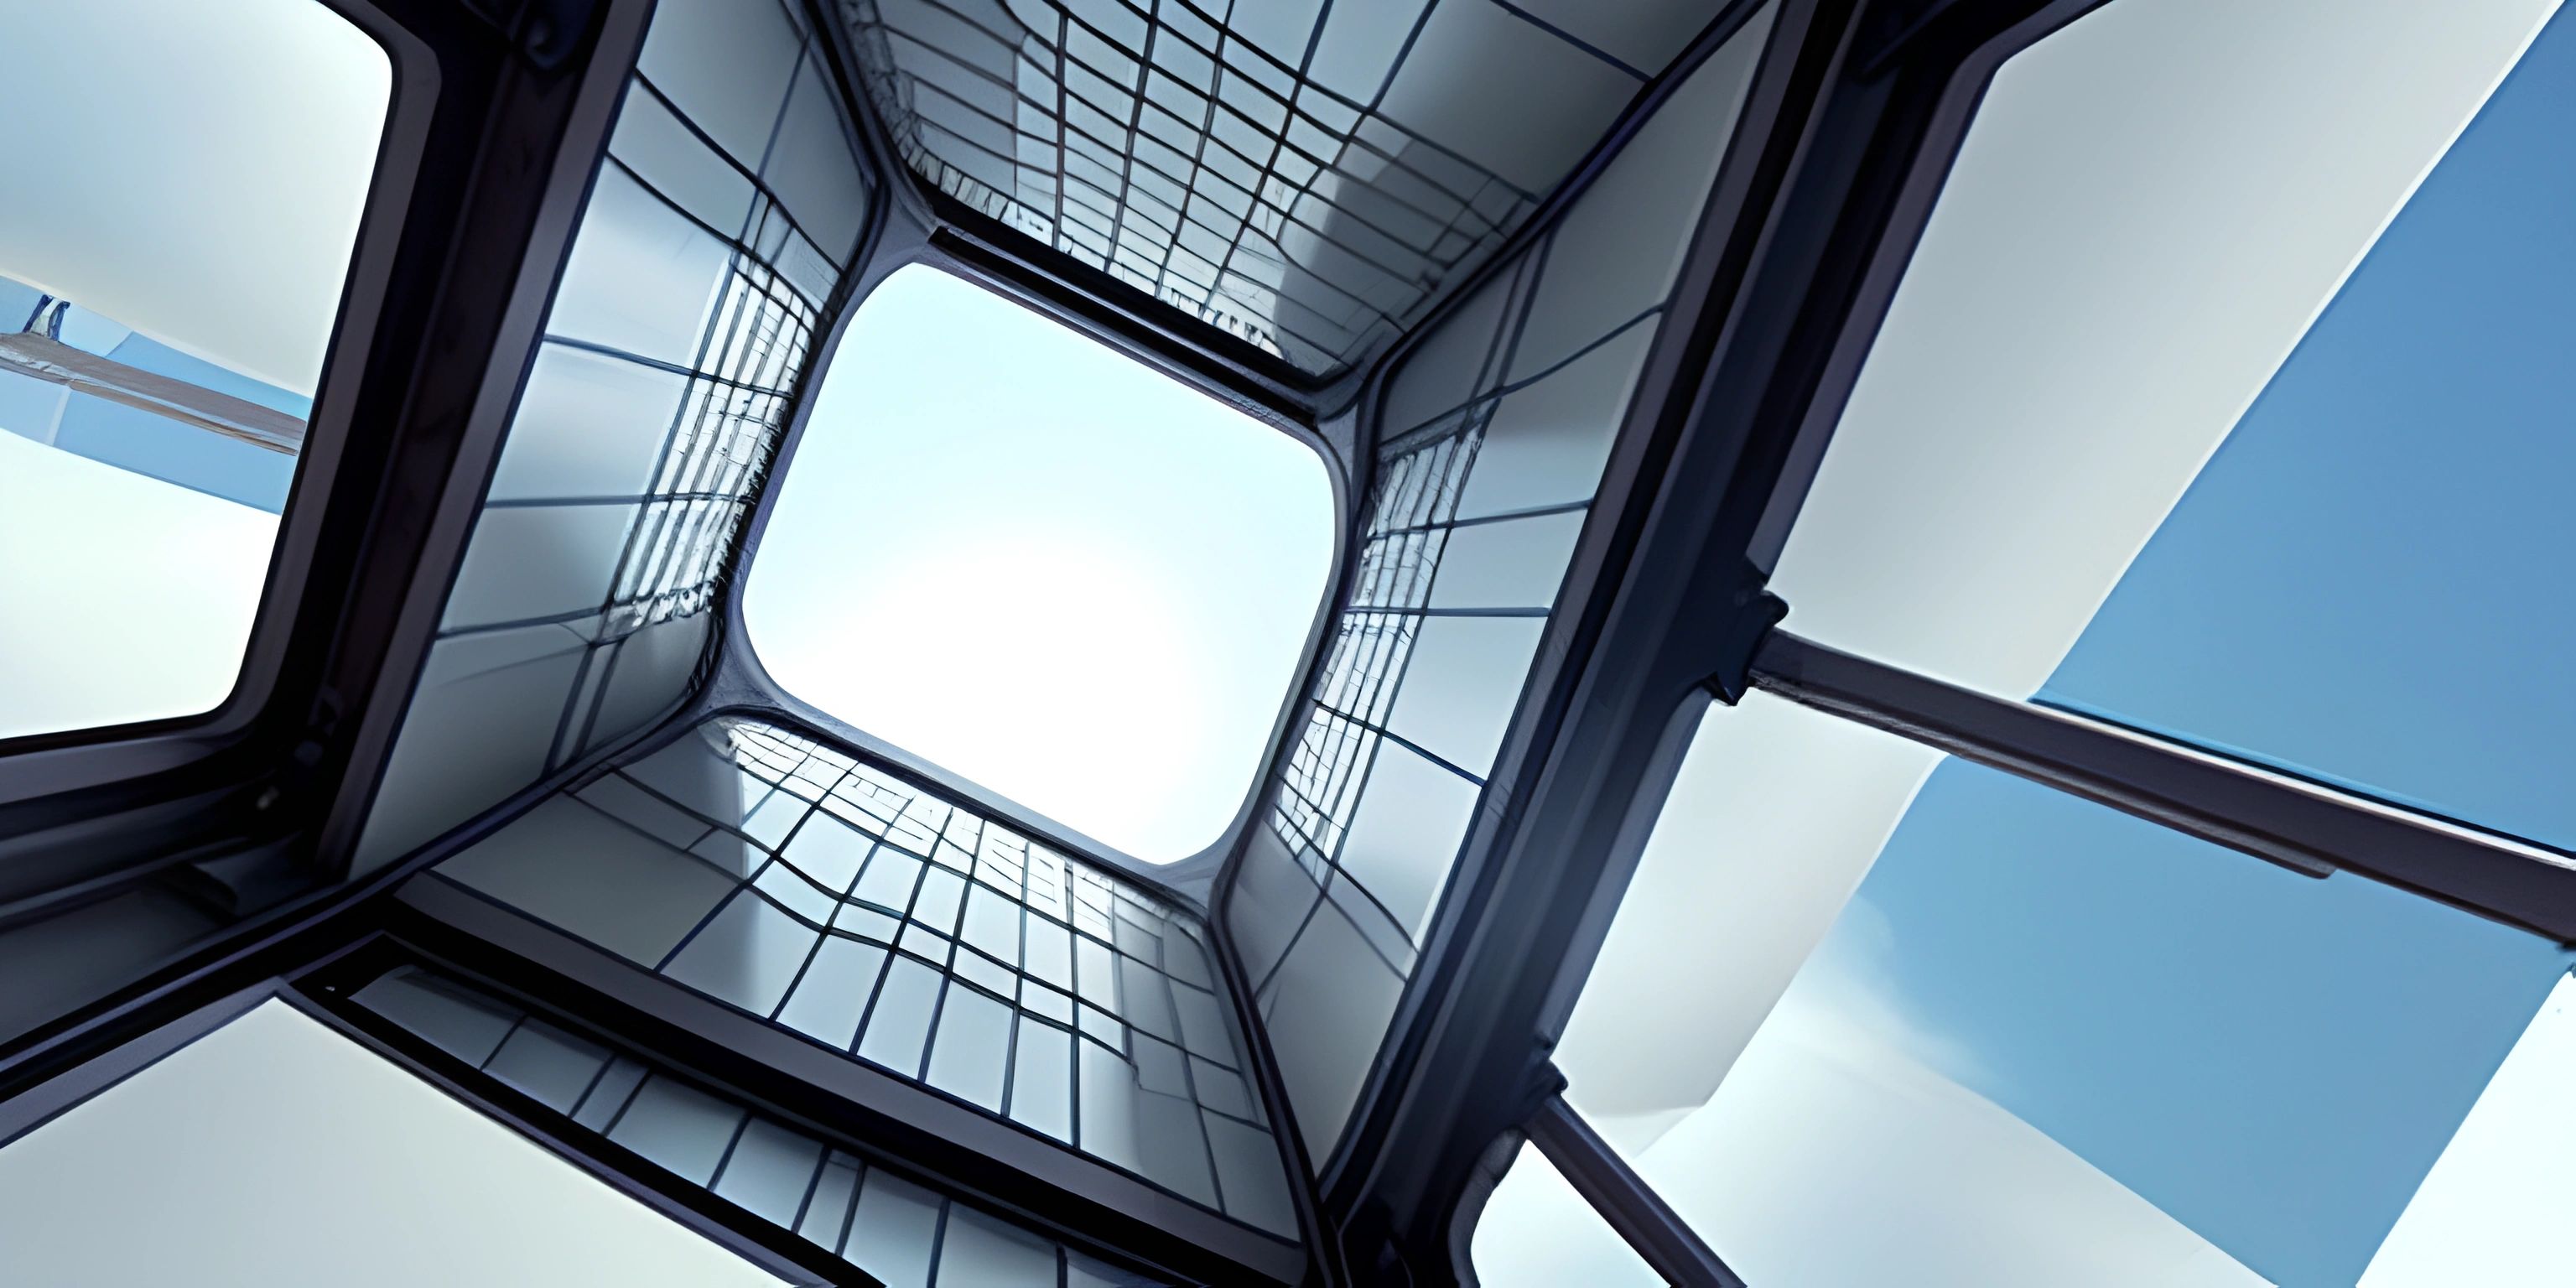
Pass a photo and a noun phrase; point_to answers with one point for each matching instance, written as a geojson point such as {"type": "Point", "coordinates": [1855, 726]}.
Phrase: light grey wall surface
{"type": "Point", "coordinates": [1496, 431]}
{"type": "Point", "coordinates": [275, 1153]}
{"type": "Point", "coordinates": [703, 272]}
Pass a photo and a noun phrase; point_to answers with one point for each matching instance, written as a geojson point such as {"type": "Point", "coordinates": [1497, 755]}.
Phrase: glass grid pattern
{"type": "Point", "coordinates": [1412, 515]}
{"type": "Point", "coordinates": [921, 938]}
{"type": "Point", "coordinates": [722, 443]}
{"type": "Point", "coordinates": [739, 381]}
{"type": "Point", "coordinates": [1268, 182]}
{"type": "Point", "coordinates": [721, 224]}
{"type": "Point", "coordinates": [905, 1233]}
{"type": "Point", "coordinates": [1499, 425]}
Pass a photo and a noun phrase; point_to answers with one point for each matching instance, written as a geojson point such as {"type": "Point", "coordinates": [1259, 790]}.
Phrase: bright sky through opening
{"type": "Point", "coordinates": [1043, 566]}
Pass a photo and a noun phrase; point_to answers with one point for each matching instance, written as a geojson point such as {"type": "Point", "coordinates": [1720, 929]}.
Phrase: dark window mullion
{"type": "Point", "coordinates": [1625, 1202]}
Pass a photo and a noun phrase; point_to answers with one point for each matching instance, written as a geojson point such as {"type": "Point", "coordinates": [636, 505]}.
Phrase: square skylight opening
{"type": "Point", "coordinates": [184, 201]}
{"type": "Point", "coordinates": [1048, 569]}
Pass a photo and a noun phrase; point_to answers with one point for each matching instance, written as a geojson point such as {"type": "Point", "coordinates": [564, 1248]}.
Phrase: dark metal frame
{"type": "Point", "coordinates": [1856, 109]}
{"type": "Point", "coordinates": [472, 414]}
{"type": "Point", "coordinates": [1624, 1200]}
{"type": "Point", "coordinates": [70, 759]}
{"type": "Point", "coordinates": [719, 1223]}
{"type": "Point", "coordinates": [553, 165]}
{"type": "Point", "coordinates": [539, 945]}
{"type": "Point", "coordinates": [2306, 827]}
{"type": "Point", "coordinates": [1448, 1082]}
{"type": "Point", "coordinates": [616, 73]}
{"type": "Point", "coordinates": [1035, 43]}
{"type": "Point", "coordinates": [974, 245]}
{"type": "Point", "coordinates": [494, 100]}
{"type": "Point", "coordinates": [973, 1150]}
{"type": "Point", "coordinates": [1851, 105]}
{"type": "Point", "coordinates": [1690, 619]}
{"type": "Point", "coordinates": [334, 981]}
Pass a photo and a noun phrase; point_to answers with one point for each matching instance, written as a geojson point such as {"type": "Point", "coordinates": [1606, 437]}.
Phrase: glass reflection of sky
{"type": "Point", "coordinates": [2368, 579]}
{"type": "Point", "coordinates": [132, 438]}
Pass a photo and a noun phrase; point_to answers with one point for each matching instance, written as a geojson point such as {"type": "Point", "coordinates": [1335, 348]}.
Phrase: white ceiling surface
{"type": "Point", "coordinates": [128, 598]}
{"type": "Point", "coordinates": [2150, 209]}
{"type": "Point", "coordinates": [195, 171]}
{"type": "Point", "coordinates": [2493, 1211]}
{"type": "Point", "coordinates": [2152, 206]}
{"type": "Point", "coordinates": [275, 1153]}
{"type": "Point", "coordinates": [1843, 1162]}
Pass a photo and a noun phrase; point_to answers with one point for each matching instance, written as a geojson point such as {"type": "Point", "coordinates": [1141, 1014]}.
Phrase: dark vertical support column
{"type": "Point", "coordinates": [1820, 188]}
{"type": "Point", "coordinates": [1624, 1201]}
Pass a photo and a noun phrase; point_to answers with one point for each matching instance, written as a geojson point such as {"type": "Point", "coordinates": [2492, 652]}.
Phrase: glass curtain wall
{"type": "Point", "coordinates": [905, 1233]}
{"type": "Point", "coordinates": [1310, 177]}
{"type": "Point", "coordinates": [1494, 434]}
{"type": "Point", "coordinates": [720, 229]}
{"type": "Point", "coordinates": [893, 927]}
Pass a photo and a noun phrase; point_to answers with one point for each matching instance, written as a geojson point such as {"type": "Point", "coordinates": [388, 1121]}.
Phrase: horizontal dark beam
{"type": "Point", "coordinates": [1623, 1199]}
{"type": "Point", "coordinates": [29, 353]}
{"type": "Point", "coordinates": [2303, 826]}
{"type": "Point", "coordinates": [976, 1151]}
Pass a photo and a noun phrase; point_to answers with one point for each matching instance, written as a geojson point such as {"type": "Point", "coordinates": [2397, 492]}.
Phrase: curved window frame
{"type": "Point", "coordinates": [43, 763]}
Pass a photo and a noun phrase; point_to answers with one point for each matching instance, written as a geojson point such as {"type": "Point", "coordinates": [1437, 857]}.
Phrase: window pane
{"type": "Point", "coordinates": [700, 273]}
{"type": "Point", "coordinates": [684, 861]}
{"type": "Point", "coordinates": [2156, 457]}
{"type": "Point", "coordinates": [1479, 494]}
{"type": "Point", "coordinates": [1082, 585]}
{"type": "Point", "coordinates": [1134, 137]}
{"type": "Point", "coordinates": [1536, 1232]}
{"type": "Point", "coordinates": [172, 255]}
{"type": "Point", "coordinates": [1978, 1032]}
{"type": "Point", "coordinates": [273, 1150]}
{"type": "Point", "coordinates": [892, 1228]}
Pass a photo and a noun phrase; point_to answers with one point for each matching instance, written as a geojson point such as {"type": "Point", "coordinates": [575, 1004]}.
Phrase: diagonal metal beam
{"type": "Point", "coordinates": [1660, 1236]}
{"type": "Point", "coordinates": [31, 353]}
{"type": "Point", "coordinates": [2303, 826]}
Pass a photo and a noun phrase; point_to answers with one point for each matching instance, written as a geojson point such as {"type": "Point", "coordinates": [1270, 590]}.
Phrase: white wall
{"type": "Point", "coordinates": [2494, 1209]}
{"type": "Point", "coordinates": [275, 1153]}
{"type": "Point", "coordinates": [127, 598]}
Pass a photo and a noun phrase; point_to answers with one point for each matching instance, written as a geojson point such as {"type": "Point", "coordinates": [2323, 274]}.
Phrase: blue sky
{"type": "Point", "coordinates": [2366, 581]}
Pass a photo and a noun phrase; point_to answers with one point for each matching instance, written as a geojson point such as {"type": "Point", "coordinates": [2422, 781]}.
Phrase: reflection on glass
{"type": "Point", "coordinates": [2364, 582]}
{"type": "Point", "coordinates": [884, 923]}
{"type": "Point", "coordinates": [181, 210]}
{"type": "Point", "coordinates": [1536, 1232]}
{"type": "Point", "coordinates": [1307, 176]}
{"type": "Point", "coordinates": [889, 1226]}
{"type": "Point", "coordinates": [2158, 458]}
{"type": "Point", "coordinates": [2037, 1042]}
